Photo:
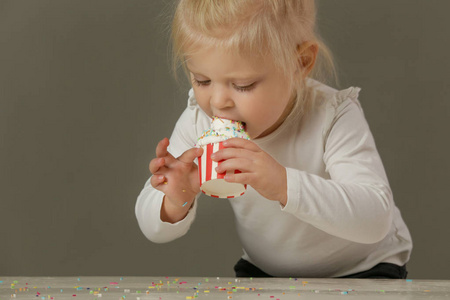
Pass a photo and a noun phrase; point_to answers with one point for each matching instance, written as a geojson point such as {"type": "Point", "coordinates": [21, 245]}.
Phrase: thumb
{"type": "Point", "coordinates": [189, 155]}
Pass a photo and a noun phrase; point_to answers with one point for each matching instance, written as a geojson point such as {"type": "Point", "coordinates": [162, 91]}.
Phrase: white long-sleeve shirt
{"type": "Point", "coordinates": [340, 217]}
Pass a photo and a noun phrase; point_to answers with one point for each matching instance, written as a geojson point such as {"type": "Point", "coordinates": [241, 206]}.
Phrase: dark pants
{"type": "Point", "coordinates": [381, 271]}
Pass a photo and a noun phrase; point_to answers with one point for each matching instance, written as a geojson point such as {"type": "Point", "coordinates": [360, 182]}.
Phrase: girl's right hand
{"type": "Point", "coordinates": [177, 178]}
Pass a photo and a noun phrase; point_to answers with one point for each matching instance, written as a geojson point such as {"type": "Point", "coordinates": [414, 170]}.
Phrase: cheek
{"type": "Point", "coordinates": [202, 100]}
{"type": "Point", "coordinates": [260, 116]}
{"type": "Point", "coordinates": [271, 105]}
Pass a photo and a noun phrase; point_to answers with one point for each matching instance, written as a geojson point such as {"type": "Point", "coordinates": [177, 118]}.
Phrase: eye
{"type": "Point", "coordinates": [244, 88]}
{"type": "Point", "coordinates": [201, 82]}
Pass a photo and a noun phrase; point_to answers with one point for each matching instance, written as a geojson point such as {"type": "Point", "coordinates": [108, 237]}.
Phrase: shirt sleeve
{"type": "Point", "coordinates": [356, 202]}
{"type": "Point", "coordinates": [149, 201]}
{"type": "Point", "coordinates": [148, 214]}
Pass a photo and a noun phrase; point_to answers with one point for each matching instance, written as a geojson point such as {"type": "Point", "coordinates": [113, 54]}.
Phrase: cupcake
{"type": "Point", "coordinates": [212, 183]}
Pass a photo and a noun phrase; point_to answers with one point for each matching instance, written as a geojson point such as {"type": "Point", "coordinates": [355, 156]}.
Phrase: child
{"type": "Point", "coordinates": [318, 202]}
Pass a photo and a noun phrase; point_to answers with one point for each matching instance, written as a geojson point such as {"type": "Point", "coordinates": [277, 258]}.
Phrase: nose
{"type": "Point", "coordinates": [221, 98]}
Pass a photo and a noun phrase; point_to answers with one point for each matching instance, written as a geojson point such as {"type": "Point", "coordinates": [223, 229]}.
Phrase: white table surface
{"type": "Point", "coordinates": [162, 288]}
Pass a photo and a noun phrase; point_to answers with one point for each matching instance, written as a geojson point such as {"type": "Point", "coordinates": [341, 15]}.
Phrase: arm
{"type": "Point", "coordinates": [356, 203]}
{"type": "Point", "coordinates": [148, 214]}
{"type": "Point", "coordinates": [177, 178]}
{"type": "Point", "coordinates": [166, 207]}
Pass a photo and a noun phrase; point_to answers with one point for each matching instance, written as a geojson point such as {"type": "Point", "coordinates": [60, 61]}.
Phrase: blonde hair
{"type": "Point", "coordinates": [269, 29]}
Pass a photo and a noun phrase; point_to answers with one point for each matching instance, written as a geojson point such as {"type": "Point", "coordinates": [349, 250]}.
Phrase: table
{"type": "Point", "coordinates": [173, 288]}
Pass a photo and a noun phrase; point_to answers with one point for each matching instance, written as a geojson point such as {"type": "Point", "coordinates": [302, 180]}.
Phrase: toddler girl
{"type": "Point", "coordinates": [318, 202]}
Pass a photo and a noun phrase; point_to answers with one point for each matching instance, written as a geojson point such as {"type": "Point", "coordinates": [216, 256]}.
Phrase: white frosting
{"type": "Point", "coordinates": [221, 130]}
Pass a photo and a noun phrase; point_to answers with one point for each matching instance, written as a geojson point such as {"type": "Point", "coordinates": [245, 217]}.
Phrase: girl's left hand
{"type": "Point", "coordinates": [259, 169]}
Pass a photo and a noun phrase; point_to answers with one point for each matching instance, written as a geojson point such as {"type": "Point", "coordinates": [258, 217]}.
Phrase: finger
{"type": "Point", "coordinates": [156, 164]}
{"type": "Point", "coordinates": [229, 153]}
{"type": "Point", "coordinates": [161, 151]}
{"type": "Point", "coordinates": [189, 155]}
{"type": "Point", "coordinates": [241, 143]}
{"type": "Point", "coordinates": [161, 148]}
{"type": "Point", "coordinates": [157, 180]}
{"type": "Point", "coordinates": [243, 165]}
{"type": "Point", "coordinates": [244, 178]}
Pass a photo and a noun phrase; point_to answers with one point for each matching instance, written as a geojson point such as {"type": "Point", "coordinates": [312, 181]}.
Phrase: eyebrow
{"type": "Point", "coordinates": [196, 73]}
{"type": "Point", "coordinates": [247, 77]}
{"type": "Point", "coordinates": [250, 77]}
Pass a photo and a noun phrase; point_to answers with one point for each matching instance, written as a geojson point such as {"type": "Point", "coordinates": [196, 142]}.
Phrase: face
{"type": "Point", "coordinates": [231, 87]}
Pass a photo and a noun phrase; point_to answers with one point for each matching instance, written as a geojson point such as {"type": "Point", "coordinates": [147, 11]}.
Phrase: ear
{"type": "Point", "coordinates": [307, 54]}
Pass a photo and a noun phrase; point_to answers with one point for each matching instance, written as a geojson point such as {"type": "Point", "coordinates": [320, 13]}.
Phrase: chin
{"type": "Point", "coordinates": [253, 135]}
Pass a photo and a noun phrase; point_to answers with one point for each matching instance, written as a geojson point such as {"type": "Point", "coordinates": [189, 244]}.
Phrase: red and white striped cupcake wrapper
{"type": "Point", "coordinates": [212, 183]}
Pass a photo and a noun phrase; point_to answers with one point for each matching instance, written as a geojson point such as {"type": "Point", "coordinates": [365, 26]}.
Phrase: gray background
{"type": "Point", "coordinates": [86, 94]}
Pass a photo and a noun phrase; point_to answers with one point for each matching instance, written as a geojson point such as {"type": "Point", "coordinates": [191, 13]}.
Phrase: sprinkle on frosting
{"type": "Point", "coordinates": [221, 130]}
